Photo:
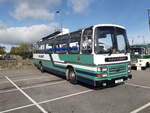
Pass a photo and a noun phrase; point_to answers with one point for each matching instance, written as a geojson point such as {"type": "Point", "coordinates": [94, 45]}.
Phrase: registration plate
{"type": "Point", "coordinates": [118, 81]}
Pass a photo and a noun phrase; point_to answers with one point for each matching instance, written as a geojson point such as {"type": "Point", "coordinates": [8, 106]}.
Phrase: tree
{"type": "Point", "coordinates": [13, 50]}
{"type": "Point", "coordinates": [23, 50]}
{"type": "Point", "coordinates": [2, 50]}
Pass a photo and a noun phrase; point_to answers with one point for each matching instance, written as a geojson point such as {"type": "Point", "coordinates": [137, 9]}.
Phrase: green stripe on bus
{"type": "Point", "coordinates": [79, 58]}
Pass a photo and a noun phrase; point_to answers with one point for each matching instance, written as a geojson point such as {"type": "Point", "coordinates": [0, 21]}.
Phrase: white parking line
{"type": "Point", "coordinates": [140, 108]}
{"type": "Point", "coordinates": [23, 80]}
{"type": "Point", "coordinates": [25, 94]}
{"type": "Point", "coordinates": [58, 98]}
{"type": "Point", "coordinates": [46, 101]}
{"type": "Point", "coordinates": [24, 74]}
{"type": "Point", "coordinates": [136, 85]}
{"type": "Point", "coordinates": [36, 86]}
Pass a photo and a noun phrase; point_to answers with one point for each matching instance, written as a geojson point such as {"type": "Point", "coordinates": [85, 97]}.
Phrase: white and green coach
{"type": "Point", "coordinates": [97, 55]}
{"type": "Point", "coordinates": [140, 56]}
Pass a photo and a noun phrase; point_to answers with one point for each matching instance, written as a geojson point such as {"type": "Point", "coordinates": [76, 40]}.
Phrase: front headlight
{"type": "Point", "coordinates": [101, 75]}
{"type": "Point", "coordinates": [104, 75]}
{"type": "Point", "coordinates": [102, 69]}
{"type": "Point", "coordinates": [129, 68]}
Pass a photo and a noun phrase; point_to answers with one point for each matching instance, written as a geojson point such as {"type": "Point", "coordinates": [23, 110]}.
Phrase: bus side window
{"type": "Point", "coordinates": [36, 48]}
{"type": "Point", "coordinates": [87, 41]}
{"type": "Point", "coordinates": [57, 48]}
{"type": "Point", "coordinates": [74, 42]}
{"type": "Point", "coordinates": [41, 48]}
{"type": "Point", "coordinates": [148, 51]}
{"type": "Point", "coordinates": [48, 48]}
{"type": "Point", "coordinates": [61, 45]}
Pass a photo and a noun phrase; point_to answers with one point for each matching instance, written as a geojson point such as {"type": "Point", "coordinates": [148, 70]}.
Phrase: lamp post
{"type": "Point", "coordinates": [60, 17]}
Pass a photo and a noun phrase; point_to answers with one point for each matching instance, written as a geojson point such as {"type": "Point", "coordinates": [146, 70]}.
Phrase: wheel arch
{"type": "Point", "coordinates": [147, 64]}
{"type": "Point", "coordinates": [40, 62]}
{"type": "Point", "coordinates": [69, 67]}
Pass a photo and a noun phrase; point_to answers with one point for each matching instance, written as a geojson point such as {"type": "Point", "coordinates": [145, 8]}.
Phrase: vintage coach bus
{"type": "Point", "coordinates": [97, 55]}
{"type": "Point", "coordinates": [140, 56]}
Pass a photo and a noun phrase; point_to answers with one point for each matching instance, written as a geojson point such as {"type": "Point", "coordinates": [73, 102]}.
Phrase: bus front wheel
{"type": "Point", "coordinates": [72, 76]}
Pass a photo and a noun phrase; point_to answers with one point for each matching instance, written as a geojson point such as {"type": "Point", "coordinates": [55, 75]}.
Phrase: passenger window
{"type": "Point", "coordinates": [40, 48]}
{"type": "Point", "coordinates": [74, 42]}
{"type": "Point", "coordinates": [49, 48]}
{"type": "Point", "coordinates": [87, 41]}
{"type": "Point", "coordinates": [149, 51]}
{"type": "Point", "coordinates": [61, 44]}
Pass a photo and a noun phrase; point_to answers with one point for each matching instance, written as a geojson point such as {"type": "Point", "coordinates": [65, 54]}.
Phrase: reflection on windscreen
{"type": "Point", "coordinates": [120, 36]}
{"type": "Point", "coordinates": [110, 39]}
{"type": "Point", "coordinates": [103, 40]}
{"type": "Point", "coordinates": [104, 43]}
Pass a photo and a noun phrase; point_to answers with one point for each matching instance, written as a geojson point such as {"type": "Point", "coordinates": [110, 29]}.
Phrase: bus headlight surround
{"type": "Point", "coordinates": [129, 68]}
{"type": "Point", "coordinates": [104, 75]}
{"type": "Point", "coordinates": [102, 69]}
{"type": "Point", "coordinates": [101, 75]}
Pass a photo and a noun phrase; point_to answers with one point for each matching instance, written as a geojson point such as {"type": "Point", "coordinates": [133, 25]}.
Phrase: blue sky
{"type": "Point", "coordinates": [29, 20]}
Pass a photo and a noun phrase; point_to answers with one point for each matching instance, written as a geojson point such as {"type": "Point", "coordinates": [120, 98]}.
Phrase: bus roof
{"type": "Point", "coordinates": [109, 25]}
{"type": "Point", "coordinates": [51, 35]}
{"type": "Point", "coordinates": [98, 25]}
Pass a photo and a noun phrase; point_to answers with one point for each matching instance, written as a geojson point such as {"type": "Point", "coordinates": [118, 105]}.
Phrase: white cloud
{"type": "Point", "coordinates": [2, 24]}
{"type": "Point", "coordinates": [79, 6]}
{"type": "Point", "coordinates": [34, 9]}
{"type": "Point", "coordinates": [27, 34]}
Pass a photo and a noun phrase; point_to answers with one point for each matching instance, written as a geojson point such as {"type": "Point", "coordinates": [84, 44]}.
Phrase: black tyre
{"type": "Point", "coordinates": [67, 74]}
{"type": "Point", "coordinates": [72, 76]}
{"type": "Point", "coordinates": [147, 64]}
{"type": "Point", "coordinates": [41, 68]}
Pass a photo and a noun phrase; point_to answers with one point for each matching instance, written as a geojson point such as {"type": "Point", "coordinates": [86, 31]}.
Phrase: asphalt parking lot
{"type": "Point", "coordinates": [30, 91]}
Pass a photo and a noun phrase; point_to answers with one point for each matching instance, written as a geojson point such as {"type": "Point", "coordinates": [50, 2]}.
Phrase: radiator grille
{"type": "Point", "coordinates": [117, 69]}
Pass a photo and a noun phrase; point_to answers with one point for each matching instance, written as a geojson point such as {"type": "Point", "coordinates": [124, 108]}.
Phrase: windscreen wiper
{"type": "Point", "coordinates": [128, 49]}
{"type": "Point", "coordinates": [110, 51]}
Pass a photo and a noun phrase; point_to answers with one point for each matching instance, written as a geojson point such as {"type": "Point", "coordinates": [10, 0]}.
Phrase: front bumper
{"type": "Point", "coordinates": [112, 81]}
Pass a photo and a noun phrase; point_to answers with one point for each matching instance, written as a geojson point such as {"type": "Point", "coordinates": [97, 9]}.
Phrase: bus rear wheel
{"type": "Point", "coordinates": [72, 76]}
{"type": "Point", "coordinates": [41, 68]}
